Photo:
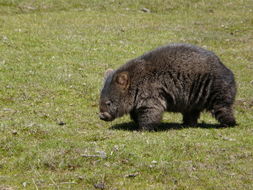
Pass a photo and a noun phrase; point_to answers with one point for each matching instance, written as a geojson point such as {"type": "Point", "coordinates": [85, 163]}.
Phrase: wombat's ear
{"type": "Point", "coordinates": [107, 73]}
{"type": "Point", "coordinates": [122, 80]}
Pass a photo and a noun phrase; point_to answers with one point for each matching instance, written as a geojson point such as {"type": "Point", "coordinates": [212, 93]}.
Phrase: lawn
{"type": "Point", "coordinates": [53, 55]}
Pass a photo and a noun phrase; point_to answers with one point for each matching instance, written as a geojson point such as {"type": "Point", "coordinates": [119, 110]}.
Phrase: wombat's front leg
{"type": "Point", "coordinates": [134, 116]}
{"type": "Point", "coordinates": [147, 118]}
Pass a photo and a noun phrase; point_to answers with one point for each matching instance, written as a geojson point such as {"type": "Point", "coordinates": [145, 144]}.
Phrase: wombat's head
{"type": "Point", "coordinates": [113, 95]}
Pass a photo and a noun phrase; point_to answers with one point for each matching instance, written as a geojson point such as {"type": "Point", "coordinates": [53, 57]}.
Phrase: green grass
{"type": "Point", "coordinates": [52, 58]}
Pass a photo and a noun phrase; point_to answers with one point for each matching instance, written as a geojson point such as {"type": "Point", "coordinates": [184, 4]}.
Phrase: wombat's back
{"type": "Point", "coordinates": [183, 57]}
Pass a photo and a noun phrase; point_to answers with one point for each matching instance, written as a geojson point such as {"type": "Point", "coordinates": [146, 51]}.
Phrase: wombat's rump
{"type": "Point", "coordinates": [176, 78]}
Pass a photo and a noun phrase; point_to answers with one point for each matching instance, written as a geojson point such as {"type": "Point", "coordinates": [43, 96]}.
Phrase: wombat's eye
{"type": "Point", "coordinates": [108, 103]}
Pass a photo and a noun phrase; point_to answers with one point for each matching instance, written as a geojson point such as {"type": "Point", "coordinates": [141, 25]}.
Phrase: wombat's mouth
{"type": "Point", "coordinates": [106, 116]}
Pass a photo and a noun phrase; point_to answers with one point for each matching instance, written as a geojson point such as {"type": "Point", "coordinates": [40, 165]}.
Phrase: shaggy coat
{"type": "Point", "coordinates": [175, 78]}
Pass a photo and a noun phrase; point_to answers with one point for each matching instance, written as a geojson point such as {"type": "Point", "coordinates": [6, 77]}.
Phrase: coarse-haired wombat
{"type": "Point", "coordinates": [175, 78]}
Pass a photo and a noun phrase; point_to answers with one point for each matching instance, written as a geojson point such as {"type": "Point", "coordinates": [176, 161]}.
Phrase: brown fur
{"type": "Point", "coordinates": [175, 78]}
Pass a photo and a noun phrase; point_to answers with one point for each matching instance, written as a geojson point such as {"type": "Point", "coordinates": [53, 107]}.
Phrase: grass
{"type": "Point", "coordinates": [52, 58]}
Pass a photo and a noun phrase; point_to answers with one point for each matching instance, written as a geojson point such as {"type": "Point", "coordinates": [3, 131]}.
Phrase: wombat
{"type": "Point", "coordinates": [175, 78]}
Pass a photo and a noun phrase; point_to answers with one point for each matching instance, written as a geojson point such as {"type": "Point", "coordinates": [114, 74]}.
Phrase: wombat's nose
{"type": "Point", "coordinates": [101, 116]}
{"type": "Point", "coordinates": [105, 116]}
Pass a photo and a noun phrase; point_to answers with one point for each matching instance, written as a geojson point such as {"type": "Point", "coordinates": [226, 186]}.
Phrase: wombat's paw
{"type": "Point", "coordinates": [229, 123]}
{"type": "Point", "coordinates": [149, 127]}
{"type": "Point", "coordinates": [190, 124]}
{"type": "Point", "coordinates": [191, 118]}
{"type": "Point", "coordinates": [225, 116]}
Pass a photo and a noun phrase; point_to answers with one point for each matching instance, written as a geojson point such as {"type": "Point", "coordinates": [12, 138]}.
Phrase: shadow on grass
{"type": "Point", "coordinates": [131, 126]}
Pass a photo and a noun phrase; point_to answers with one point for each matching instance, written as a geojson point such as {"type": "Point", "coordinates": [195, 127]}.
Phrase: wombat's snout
{"type": "Point", "coordinates": [105, 116]}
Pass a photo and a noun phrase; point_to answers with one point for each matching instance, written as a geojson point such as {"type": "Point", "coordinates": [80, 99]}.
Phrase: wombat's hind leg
{"type": "Point", "coordinates": [148, 119]}
{"type": "Point", "coordinates": [225, 116]}
{"type": "Point", "coordinates": [191, 118]}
